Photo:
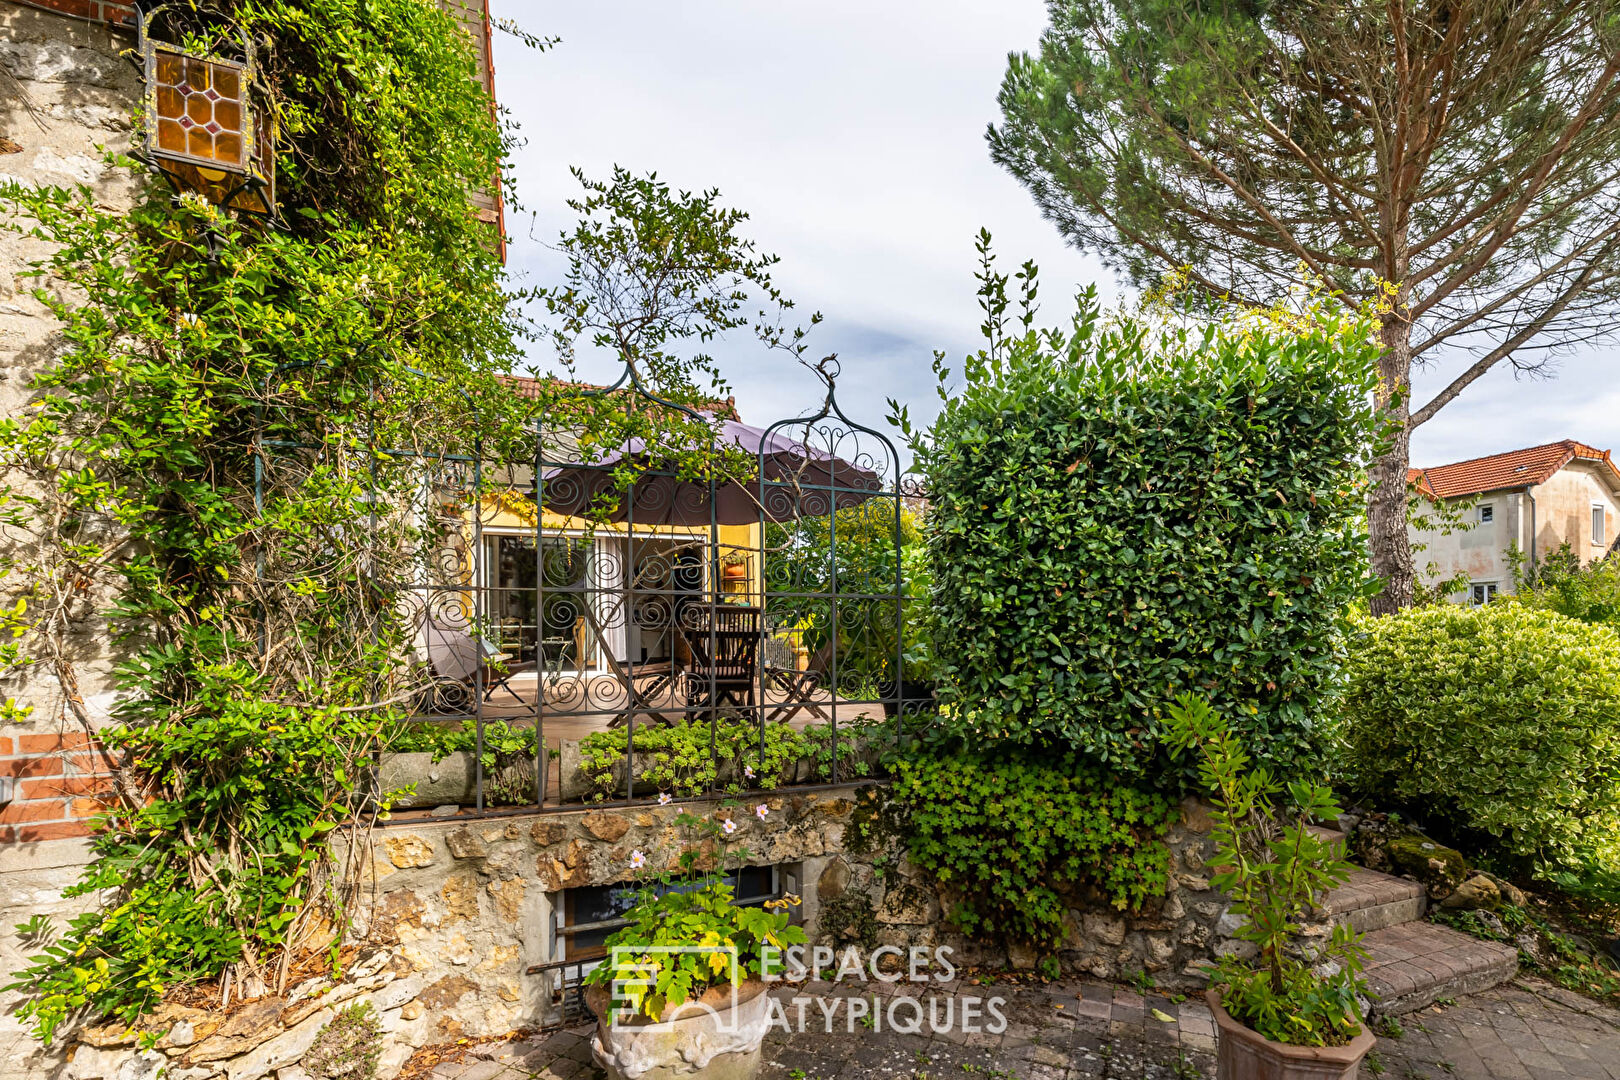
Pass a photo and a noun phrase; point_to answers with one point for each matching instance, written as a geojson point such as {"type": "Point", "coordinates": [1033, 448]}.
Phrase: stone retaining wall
{"type": "Point", "coordinates": [455, 911]}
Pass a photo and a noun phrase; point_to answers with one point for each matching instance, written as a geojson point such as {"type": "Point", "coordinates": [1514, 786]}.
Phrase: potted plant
{"type": "Point", "coordinates": [680, 995]}
{"type": "Point", "coordinates": [1282, 1013]}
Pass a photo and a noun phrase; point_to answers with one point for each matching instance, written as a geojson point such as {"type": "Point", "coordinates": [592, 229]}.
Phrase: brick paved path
{"type": "Point", "coordinates": [1528, 1030]}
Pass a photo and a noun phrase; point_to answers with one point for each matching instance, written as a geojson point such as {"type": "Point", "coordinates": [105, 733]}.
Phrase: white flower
{"type": "Point", "coordinates": [664, 798]}
{"type": "Point", "coordinates": [748, 771]}
{"type": "Point", "coordinates": [637, 860]}
{"type": "Point", "coordinates": [761, 810]}
{"type": "Point", "coordinates": [728, 826]}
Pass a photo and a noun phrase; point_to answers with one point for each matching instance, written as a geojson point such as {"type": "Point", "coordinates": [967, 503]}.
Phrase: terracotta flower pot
{"type": "Point", "coordinates": [1242, 1053]}
{"type": "Point", "coordinates": [715, 1037]}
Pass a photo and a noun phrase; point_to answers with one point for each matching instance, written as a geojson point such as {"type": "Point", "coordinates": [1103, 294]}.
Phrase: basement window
{"type": "Point", "coordinates": [1600, 535]}
{"type": "Point", "coordinates": [588, 916]}
{"type": "Point", "coordinates": [1481, 593]}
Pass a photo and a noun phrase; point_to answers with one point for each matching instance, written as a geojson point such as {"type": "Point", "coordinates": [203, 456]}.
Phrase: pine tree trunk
{"type": "Point", "coordinates": [1391, 548]}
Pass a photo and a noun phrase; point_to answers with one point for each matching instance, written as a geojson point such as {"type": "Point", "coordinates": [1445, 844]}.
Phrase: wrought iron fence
{"type": "Point", "coordinates": [617, 626]}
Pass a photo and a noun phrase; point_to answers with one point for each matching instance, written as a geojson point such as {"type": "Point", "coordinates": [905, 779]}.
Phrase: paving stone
{"type": "Point", "coordinates": [1109, 1033]}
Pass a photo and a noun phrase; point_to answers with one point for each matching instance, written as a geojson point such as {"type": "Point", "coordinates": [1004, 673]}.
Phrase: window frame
{"type": "Point", "coordinates": [783, 879]}
{"type": "Point", "coordinates": [1489, 589]}
{"type": "Point", "coordinates": [1600, 525]}
{"type": "Point", "coordinates": [1486, 514]}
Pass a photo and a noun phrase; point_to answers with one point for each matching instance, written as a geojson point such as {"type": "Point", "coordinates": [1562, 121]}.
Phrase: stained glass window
{"type": "Point", "coordinates": [202, 127]}
{"type": "Point", "coordinates": [199, 109]}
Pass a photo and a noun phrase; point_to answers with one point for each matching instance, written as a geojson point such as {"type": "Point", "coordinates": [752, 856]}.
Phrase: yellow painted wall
{"type": "Point", "coordinates": [516, 512]}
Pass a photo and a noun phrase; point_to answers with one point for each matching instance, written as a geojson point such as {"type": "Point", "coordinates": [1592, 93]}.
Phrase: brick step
{"type": "Point", "coordinates": [1372, 901]}
{"type": "Point", "coordinates": [1416, 963]}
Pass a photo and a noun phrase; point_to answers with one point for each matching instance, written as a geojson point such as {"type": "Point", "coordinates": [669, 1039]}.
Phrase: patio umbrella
{"type": "Point", "coordinates": [799, 481]}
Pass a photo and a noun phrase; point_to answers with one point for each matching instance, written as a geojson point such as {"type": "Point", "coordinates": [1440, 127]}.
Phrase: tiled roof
{"type": "Point", "coordinates": [1513, 469]}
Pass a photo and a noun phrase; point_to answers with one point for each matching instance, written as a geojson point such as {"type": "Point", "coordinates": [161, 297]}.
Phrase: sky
{"type": "Point", "coordinates": [852, 132]}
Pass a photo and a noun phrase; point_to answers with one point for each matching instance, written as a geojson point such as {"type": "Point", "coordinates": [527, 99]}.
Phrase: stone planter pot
{"type": "Point", "coordinates": [577, 785]}
{"type": "Point", "coordinates": [716, 1037]}
{"type": "Point", "coordinates": [1242, 1053]}
{"type": "Point", "coordinates": [452, 780]}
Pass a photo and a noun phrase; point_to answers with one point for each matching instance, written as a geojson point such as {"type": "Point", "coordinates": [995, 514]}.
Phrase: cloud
{"type": "Point", "coordinates": [853, 133]}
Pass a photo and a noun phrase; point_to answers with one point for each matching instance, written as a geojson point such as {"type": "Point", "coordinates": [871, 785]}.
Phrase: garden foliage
{"type": "Point", "coordinates": [207, 467]}
{"type": "Point", "coordinates": [1010, 837]}
{"type": "Point", "coordinates": [867, 556]}
{"type": "Point", "coordinates": [1276, 869]}
{"type": "Point", "coordinates": [700, 757]}
{"type": "Point", "coordinates": [1589, 593]}
{"type": "Point", "coordinates": [1501, 723]}
{"type": "Point", "coordinates": [685, 903]}
{"type": "Point", "coordinates": [1135, 506]}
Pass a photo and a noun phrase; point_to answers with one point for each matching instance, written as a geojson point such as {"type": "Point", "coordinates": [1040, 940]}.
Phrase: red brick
{"type": "Point", "coordinates": [59, 786]}
{"type": "Point", "coordinates": [83, 9]}
{"type": "Point", "coordinates": [49, 765]}
{"type": "Point", "coordinates": [99, 762]}
{"type": "Point", "coordinates": [60, 830]}
{"type": "Point", "coordinates": [7, 834]}
{"type": "Point", "coordinates": [86, 808]}
{"type": "Point", "coordinates": [44, 744]}
{"type": "Point", "coordinates": [39, 810]}
{"type": "Point", "coordinates": [5, 745]}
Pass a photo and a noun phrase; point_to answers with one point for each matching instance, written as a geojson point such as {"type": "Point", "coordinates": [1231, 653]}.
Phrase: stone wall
{"type": "Point", "coordinates": [70, 101]}
{"type": "Point", "coordinates": [454, 912]}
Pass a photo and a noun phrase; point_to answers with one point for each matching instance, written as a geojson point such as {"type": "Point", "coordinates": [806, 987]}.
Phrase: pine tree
{"type": "Point", "coordinates": [1467, 152]}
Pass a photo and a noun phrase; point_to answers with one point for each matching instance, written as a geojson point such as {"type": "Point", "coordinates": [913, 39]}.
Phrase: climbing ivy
{"type": "Point", "coordinates": [216, 468]}
{"type": "Point", "coordinates": [1010, 837]}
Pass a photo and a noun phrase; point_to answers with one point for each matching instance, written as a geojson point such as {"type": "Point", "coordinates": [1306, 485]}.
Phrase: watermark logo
{"type": "Point", "coordinates": [907, 1010]}
{"type": "Point", "coordinates": [926, 1001]}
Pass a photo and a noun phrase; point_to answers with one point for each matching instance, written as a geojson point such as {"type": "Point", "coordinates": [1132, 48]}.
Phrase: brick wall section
{"type": "Point", "coordinates": [61, 782]}
{"type": "Point", "coordinates": [95, 10]}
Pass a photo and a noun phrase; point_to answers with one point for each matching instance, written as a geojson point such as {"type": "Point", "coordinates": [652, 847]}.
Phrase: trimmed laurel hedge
{"type": "Point", "coordinates": [1502, 720]}
{"type": "Point", "coordinates": [1122, 513]}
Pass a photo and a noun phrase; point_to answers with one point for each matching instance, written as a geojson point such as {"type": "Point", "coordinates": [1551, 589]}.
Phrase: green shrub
{"type": "Point", "coordinates": [1123, 512]}
{"type": "Point", "coordinates": [1006, 833]}
{"type": "Point", "coordinates": [1501, 719]}
{"type": "Point", "coordinates": [1589, 593]}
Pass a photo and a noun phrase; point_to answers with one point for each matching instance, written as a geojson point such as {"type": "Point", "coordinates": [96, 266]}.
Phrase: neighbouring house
{"type": "Point", "coordinates": [1518, 505]}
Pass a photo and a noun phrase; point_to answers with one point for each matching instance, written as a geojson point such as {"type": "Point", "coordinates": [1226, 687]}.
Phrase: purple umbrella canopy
{"type": "Point", "coordinates": [799, 481]}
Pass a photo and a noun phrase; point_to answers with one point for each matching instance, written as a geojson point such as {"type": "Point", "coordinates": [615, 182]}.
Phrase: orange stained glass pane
{"type": "Point", "coordinates": [228, 114]}
{"type": "Point", "coordinates": [198, 74]}
{"type": "Point", "coordinates": [199, 143]}
{"type": "Point", "coordinates": [228, 148]}
{"type": "Point", "coordinates": [171, 137]}
{"type": "Point", "coordinates": [170, 68]}
{"type": "Point", "coordinates": [199, 108]}
{"type": "Point", "coordinates": [227, 82]}
{"type": "Point", "coordinates": [170, 103]}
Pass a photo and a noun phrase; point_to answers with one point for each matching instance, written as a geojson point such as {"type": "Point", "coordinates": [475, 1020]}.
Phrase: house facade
{"type": "Point", "coordinates": [1488, 513]}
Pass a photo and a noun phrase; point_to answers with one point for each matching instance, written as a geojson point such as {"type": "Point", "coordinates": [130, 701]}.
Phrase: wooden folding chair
{"type": "Point", "coordinates": [724, 642]}
{"type": "Point", "coordinates": [634, 679]}
{"type": "Point", "coordinates": [799, 686]}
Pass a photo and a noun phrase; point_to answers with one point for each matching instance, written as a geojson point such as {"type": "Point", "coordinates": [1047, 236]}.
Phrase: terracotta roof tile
{"type": "Point", "coordinates": [1513, 469]}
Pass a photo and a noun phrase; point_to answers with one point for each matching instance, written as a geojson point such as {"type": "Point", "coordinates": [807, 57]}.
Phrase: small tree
{"type": "Point", "coordinates": [1276, 870]}
{"type": "Point", "coordinates": [653, 275]}
{"type": "Point", "coordinates": [1464, 154]}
